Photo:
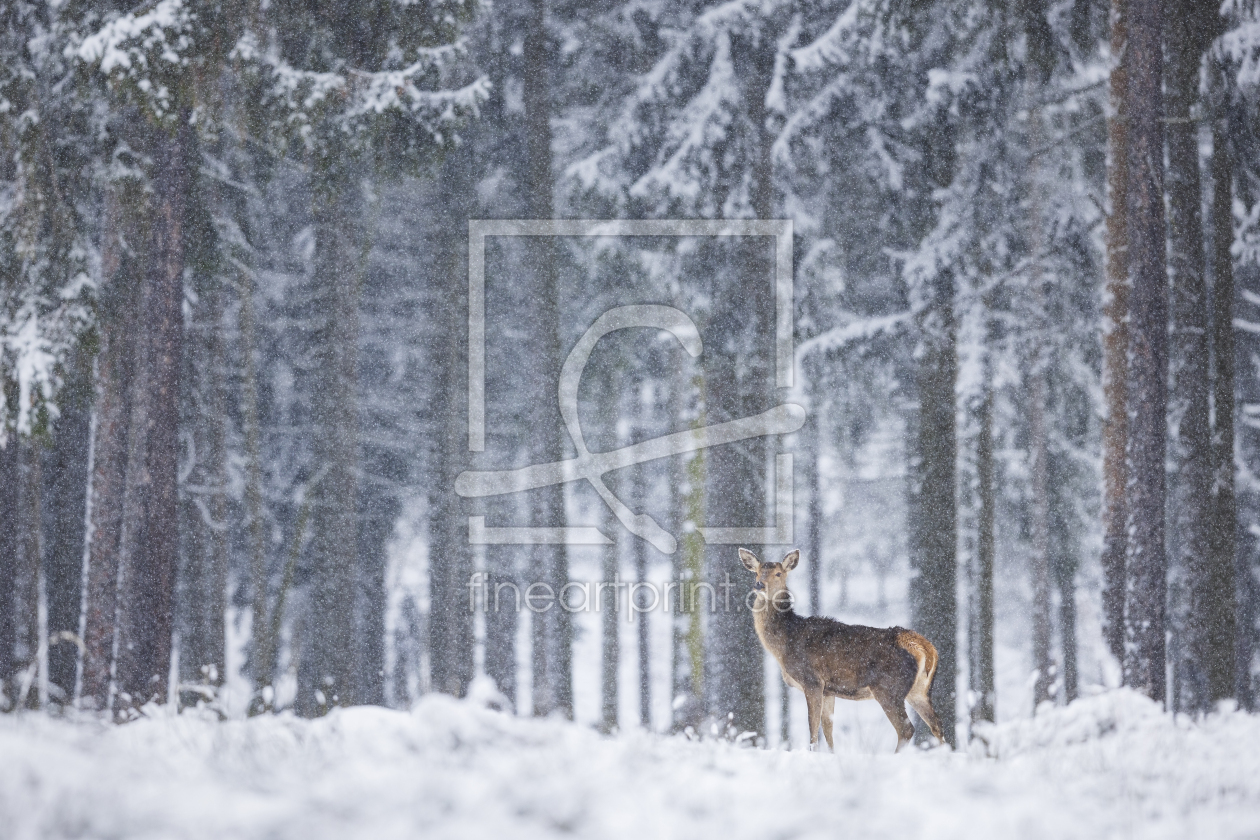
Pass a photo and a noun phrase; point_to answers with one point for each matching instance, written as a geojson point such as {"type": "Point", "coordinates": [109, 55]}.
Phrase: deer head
{"type": "Point", "coordinates": [771, 582]}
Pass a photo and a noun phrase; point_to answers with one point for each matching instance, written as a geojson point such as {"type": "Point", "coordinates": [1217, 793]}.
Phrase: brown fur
{"type": "Point", "coordinates": [826, 659]}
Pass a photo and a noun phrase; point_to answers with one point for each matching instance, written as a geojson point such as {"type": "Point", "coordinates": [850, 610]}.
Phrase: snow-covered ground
{"type": "Point", "coordinates": [1107, 766]}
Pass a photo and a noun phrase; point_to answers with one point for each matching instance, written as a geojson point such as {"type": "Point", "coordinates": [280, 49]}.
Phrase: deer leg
{"type": "Point", "coordinates": [895, 709]}
{"type": "Point", "coordinates": [829, 706]}
{"type": "Point", "coordinates": [923, 708]}
{"type": "Point", "coordinates": [814, 704]}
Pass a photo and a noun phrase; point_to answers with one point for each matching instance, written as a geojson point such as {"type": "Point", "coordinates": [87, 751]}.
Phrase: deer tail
{"type": "Point", "coordinates": [924, 653]}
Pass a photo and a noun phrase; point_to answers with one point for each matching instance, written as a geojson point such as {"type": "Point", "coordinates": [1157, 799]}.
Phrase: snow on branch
{"type": "Point", "coordinates": [832, 47]}
{"type": "Point", "coordinates": [1241, 45]}
{"type": "Point", "coordinates": [297, 99]}
{"type": "Point", "coordinates": [36, 334]}
{"type": "Point", "coordinates": [145, 54]}
{"type": "Point", "coordinates": [1246, 246]}
{"type": "Point", "coordinates": [857, 330]}
{"type": "Point", "coordinates": [859, 31]}
{"type": "Point", "coordinates": [686, 159]}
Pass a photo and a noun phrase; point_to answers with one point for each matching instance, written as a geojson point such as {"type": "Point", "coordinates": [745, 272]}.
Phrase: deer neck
{"type": "Point", "coordinates": [772, 624]}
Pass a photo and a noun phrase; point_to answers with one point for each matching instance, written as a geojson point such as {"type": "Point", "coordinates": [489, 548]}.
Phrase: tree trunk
{"type": "Point", "coordinates": [149, 543]}
{"type": "Point", "coordinates": [203, 585]}
{"type": "Point", "coordinates": [450, 637]}
{"type": "Point", "coordinates": [982, 680]}
{"type": "Point", "coordinates": [1063, 564]}
{"type": "Point", "coordinates": [1115, 340]}
{"type": "Point", "coordinates": [1229, 664]}
{"type": "Point", "coordinates": [553, 666]}
{"type": "Point", "coordinates": [30, 666]}
{"type": "Point", "coordinates": [114, 368]}
{"type": "Point", "coordinates": [263, 653]}
{"type": "Point", "coordinates": [379, 509]}
{"type": "Point", "coordinates": [813, 457]}
{"type": "Point", "coordinates": [1145, 559]}
{"type": "Point", "coordinates": [1040, 566]}
{"type": "Point", "coordinates": [739, 383]}
{"type": "Point", "coordinates": [735, 494]}
{"type": "Point", "coordinates": [933, 558]}
{"type": "Point", "coordinates": [1188, 35]}
{"type": "Point", "coordinates": [1038, 434]}
{"type": "Point", "coordinates": [610, 642]}
{"type": "Point", "coordinates": [501, 622]}
{"type": "Point", "coordinates": [692, 552]}
{"type": "Point", "coordinates": [65, 499]}
{"type": "Point", "coordinates": [328, 677]}
{"type": "Point", "coordinates": [687, 487]}
{"type": "Point", "coordinates": [642, 617]}
{"type": "Point", "coordinates": [10, 528]}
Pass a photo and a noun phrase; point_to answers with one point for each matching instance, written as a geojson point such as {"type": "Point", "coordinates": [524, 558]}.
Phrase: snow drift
{"type": "Point", "coordinates": [1108, 766]}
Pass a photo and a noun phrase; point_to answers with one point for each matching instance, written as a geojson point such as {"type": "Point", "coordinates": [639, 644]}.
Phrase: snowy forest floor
{"type": "Point", "coordinates": [1111, 766]}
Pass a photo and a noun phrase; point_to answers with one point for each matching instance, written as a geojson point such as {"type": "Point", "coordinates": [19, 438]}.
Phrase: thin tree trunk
{"type": "Point", "coordinates": [642, 617]}
{"type": "Point", "coordinates": [204, 567]}
{"type": "Point", "coordinates": [10, 529]}
{"type": "Point", "coordinates": [501, 622]}
{"type": "Point", "coordinates": [450, 622]}
{"type": "Point", "coordinates": [202, 655]}
{"type": "Point", "coordinates": [263, 655]}
{"type": "Point", "coordinates": [1229, 664]}
{"type": "Point", "coordinates": [329, 676]}
{"type": "Point", "coordinates": [150, 539]}
{"type": "Point", "coordinates": [1115, 340]}
{"type": "Point", "coordinates": [983, 682]}
{"type": "Point", "coordinates": [541, 639]}
{"type": "Point", "coordinates": [553, 687]}
{"type": "Point", "coordinates": [933, 601]}
{"type": "Point", "coordinates": [738, 379]}
{"type": "Point", "coordinates": [610, 643]}
{"type": "Point", "coordinates": [693, 571]}
{"type": "Point", "coordinates": [814, 458]}
{"type": "Point", "coordinates": [735, 495]}
{"type": "Point", "coordinates": [1063, 564]}
{"type": "Point", "coordinates": [1188, 35]}
{"type": "Point", "coordinates": [31, 652]}
{"type": "Point", "coordinates": [1145, 559]}
{"type": "Point", "coordinates": [688, 493]}
{"type": "Point", "coordinates": [65, 499]}
{"type": "Point", "coordinates": [1067, 626]}
{"type": "Point", "coordinates": [129, 598]}
{"type": "Point", "coordinates": [1039, 435]}
{"type": "Point", "coordinates": [118, 304]}
{"type": "Point", "coordinates": [608, 598]}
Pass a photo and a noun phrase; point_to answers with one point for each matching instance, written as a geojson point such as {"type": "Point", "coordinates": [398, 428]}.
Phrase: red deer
{"type": "Point", "coordinates": [826, 659]}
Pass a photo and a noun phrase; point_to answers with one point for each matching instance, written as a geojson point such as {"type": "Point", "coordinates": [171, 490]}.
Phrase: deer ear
{"type": "Point", "coordinates": [790, 561]}
{"type": "Point", "coordinates": [749, 559]}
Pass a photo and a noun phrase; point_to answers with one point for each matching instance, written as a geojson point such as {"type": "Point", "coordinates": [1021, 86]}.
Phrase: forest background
{"type": "Point", "coordinates": [234, 244]}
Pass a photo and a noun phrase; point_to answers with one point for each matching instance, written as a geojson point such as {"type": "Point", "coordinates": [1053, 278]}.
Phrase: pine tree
{"type": "Point", "coordinates": [1116, 337]}
{"type": "Point", "coordinates": [1228, 670]}
{"type": "Point", "coordinates": [389, 62]}
{"type": "Point", "coordinates": [9, 532]}
{"type": "Point", "coordinates": [450, 627]}
{"type": "Point", "coordinates": [1145, 559]}
{"type": "Point", "coordinates": [1188, 34]}
{"type": "Point", "coordinates": [65, 470]}
{"type": "Point", "coordinates": [552, 638]}
{"type": "Point", "coordinates": [981, 631]}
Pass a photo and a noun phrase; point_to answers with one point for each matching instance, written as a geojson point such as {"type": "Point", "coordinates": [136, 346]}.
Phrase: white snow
{"type": "Point", "coordinates": [1112, 765]}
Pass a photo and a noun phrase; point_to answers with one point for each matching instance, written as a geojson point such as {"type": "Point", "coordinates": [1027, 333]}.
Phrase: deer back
{"type": "Point", "coordinates": [848, 660]}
